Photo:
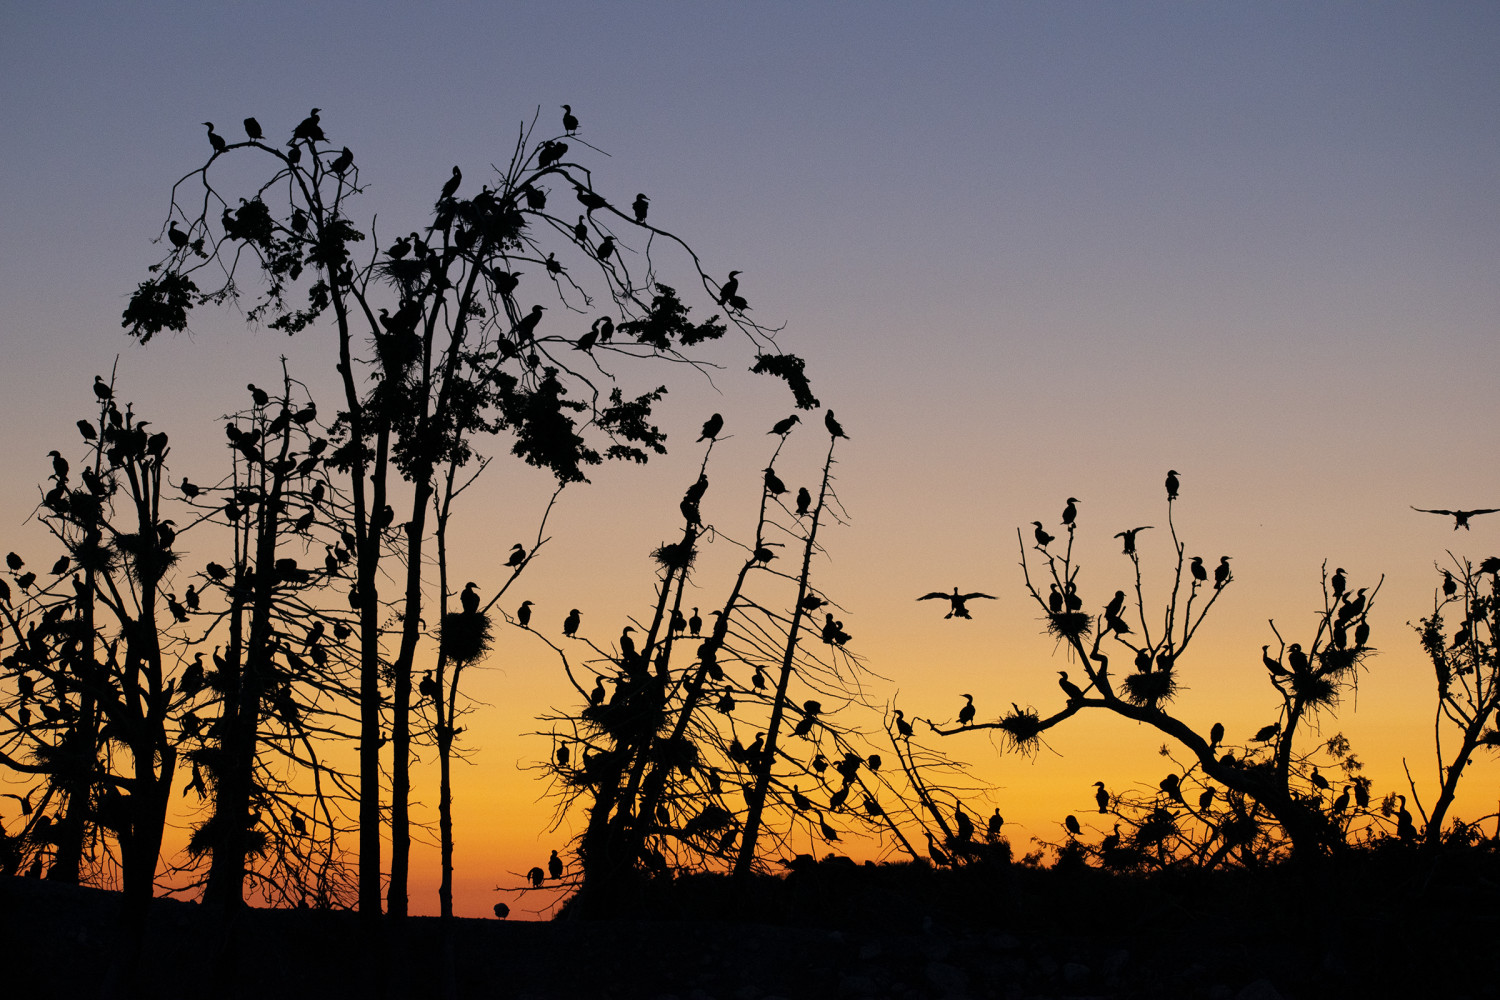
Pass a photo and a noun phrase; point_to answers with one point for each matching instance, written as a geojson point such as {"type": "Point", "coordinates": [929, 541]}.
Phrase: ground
{"type": "Point", "coordinates": [834, 931]}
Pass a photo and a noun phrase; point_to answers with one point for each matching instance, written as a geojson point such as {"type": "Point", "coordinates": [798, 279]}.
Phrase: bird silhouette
{"type": "Point", "coordinates": [804, 501]}
{"type": "Point", "coordinates": [1129, 538]}
{"type": "Point", "coordinates": [1101, 796]}
{"type": "Point", "coordinates": [1338, 582]}
{"type": "Point", "coordinates": [1221, 573]}
{"type": "Point", "coordinates": [711, 428]}
{"type": "Point", "coordinates": [1460, 517]}
{"type": "Point", "coordinates": [215, 139]}
{"type": "Point", "coordinates": [469, 599]}
{"type": "Point", "coordinates": [640, 207]}
{"type": "Point", "coordinates": [570, 623]}
{"type": "Point", "coordinates": [784, 425]}
{"type": "Point", "coordinates": [1071, 822]}
{"type": "Point", "coordinates": [178, 238]}
{"type": "Point", "coordinates": [730, 288]}
{"type": "Point", "coordinates": [957, 600]}
{"type": "Point", "coordinates": [517, 555]}
{"type": "Point", "coordinates": [525, 328]}
{"type": "Point", "coordinates": [523, 614]}
{"type": "Point", "coordinates": [966, 714]}
{"type": "Point", "coordinates": [1196, 568]}
{"type": "Point", "coordinates": [570, 121]}
{"type": "Point", "coordinates": [1073, 691]}
{"type": "Point", "coordinates": [1172, 484]}
{"type": "Point", "coordinates": [695, 623]}
{"type": "Point", "coordinates": [1042, 538]}
{"type": "Point", "coordinates": [834, 427]}
{"type": "Point", "coordinates": [554, 866]}
{"type": "Point", "coordinates": [1070, 511]}
{"type": "Point", "coordinates": [342, 162]}
{"type": "Point", "coordinates": [309, 129]}
{"type": "Point", "coordinates": [252, 129]}
{"type": "Point", "coordinates": [774, 485]}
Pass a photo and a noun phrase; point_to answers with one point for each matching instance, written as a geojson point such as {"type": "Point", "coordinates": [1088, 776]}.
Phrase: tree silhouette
{"type": "Point", "coordinates": [1306, 679]}
{"type": "Point", "coordinates": [434, 347]}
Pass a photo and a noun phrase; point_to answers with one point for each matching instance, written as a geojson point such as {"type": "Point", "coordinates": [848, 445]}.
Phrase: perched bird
{"type": "Point", "coordinates": [1070, 511]}
{"type": "Point", "coordinates": [1297, 658]}
{"type": "Point", "coordinates": [102, 391]}
{"type": "Point", "coordinates": [1341, 803]}
{"type": "Point", "coordinates": [903, 728]}
{"type": "Point", "coordinates": [1196, 568]}
{"type": "Point", "coordinates": [555, 866]}
{"type": "Point", "coordinates": [342, 162]}
{"type": "Point", "coordinates": [570, 623]}
{"type": "Point", "coordinates": [1221, 573]}
{"type": "Point", "coordinates": [177, 236]}
{"type": "Point", "coordinates": [1460, 517]}
{"type": "Point", "coordinates": [1172, 484]}
{"type": "Point", "coordinates": [1129, 538]}
{"type": "Point", "coordinates": [711, 428]}
{"type": "Point", "coordinates": [1216, 734]}
{"type": "Point", "coordinates": [450, 186]}
{"type": "Point", "coordinates": [834, 427]}
{"type": "Point", "coordinates": [1271, 663]}
{"type": "Point", "coordinates": [605, 248]}
{"type": "Point", "coordinates": [1073, 691]}
{"type": "Point", "coordinates": [695, 623]}
{"type": "Point", "coordinates": [469, 599]}
{"type": "Point", "coordinates": [517, 555]}
{"type": "Point", "coordinates": [640, 207]}
{"type": "Point", "coordinates": [309, 128]}
{"type": "Point", "coordinates": [596, 696]}
{"type": "Point", "coordinates": [570, 122]}
{"type": "Point", "coordinates": [1338, 582]}
{"type": "Point", "coordinates": [1266, 734]}
{"type": "Point", "coordinates": [525, 328]}
{"type": "Point", "coordinates": [1116, 605]}
{"type": "Point", "coordinates": [784, 425]}
{"type": "Point", "coordinates": [428, 688]}
{"type": "Point", "coordinates": [966, 714]}
{"type": "Point", "coordinates": [523, 614]}
{"type": "Point", "coordinates": [804, 501]}
{"type": "Point", "coordinates": [215, 139]}
{"type": "Point", "coordinates": [1101, 796]}
{"type": "Point", "coordinates": [996, 821]}
{"type": "Point", "coordinates": [1450, 585]}
{"type": "Point", "coordinates": [774, 485]}
{"type": "Point", "coordinates": [957, 601]}
{"type": "Point", "coordinates": [252, 129]}
{"type": "Point", "coordinates": [1042, 538]}
{"type": "Point", "coordinates": [1071, 822]}
{"type": "Point", "coordinates": [627, 644]}
{"type": "Point", "coordinates": [730, 288]}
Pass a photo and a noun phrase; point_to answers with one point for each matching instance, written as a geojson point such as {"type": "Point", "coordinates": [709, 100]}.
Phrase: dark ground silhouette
{"type": "Point", "coordinates": [1381, 924]}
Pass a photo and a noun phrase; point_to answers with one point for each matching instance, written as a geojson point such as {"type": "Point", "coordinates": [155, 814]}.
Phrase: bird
{"type": "Point", "coordinates": [1115, 606]}
{"type": "Point", "coordinates": [966, 714]}
{"type": "Point", "coordinates": [1450, 585]}
{"type": "Point", "coordinates": [1221, 573]}
{"type": "Point", "coordinates": [1216, 734]}
{"type": "Point", "coordinates": [596, 696]}
{"type": "Point", "coordinates": [1129, 538]}
{"type": "Point", "coordinates": [101, 390]}
{"type": "Point", "coordinates": [605, 248]}
{"type": "Point", "coordinates": [903, 727]}
{"type": "Point", "coordinates": [523, 614]}
{"type": "Point", "coordinates": [627, 644]}
{"type": "Point", "coordinates": [502, 911]}
{"type": "Point", "coordinates": [1460, 517]}
{"type": "Point", "coordinates": [1297, 659]}
{"type": "Point", "coordinates": [570, 623]}
{"type": "Point", "coordinates": [1073, 691]}
{"type": "Point", "coordinates": [1042, 538]}
{"type": "Point", "coordinates": [774, 485]}
{"type": "Point", "coordinates": [1071, 822]}
{"type": "Point", "coordinates": [517, 555]}
{"type": "Point", "coordinates": [309, 128]}
{"type": "Point", "coordinates": [957, 601]}
{"type": "Point", "coordinates": [834, 427]}
{"type": "Point", "coordinates": [1405, 828]}
{"type": "Point", "coordinates": [711, 428]}
{"type": "Point", "coordinates": [252, 129]}
{"type": "Point", "coordinates": [215, 139]}
{"type": "Point", "coordinates": [59, 466]}
{"type": "Point", "coordinates": [1271, 663]}
{"type": "Point", "coordinates": [258, 396]}
{"type": "Point", "coordinates": [730, 288]}
{"type": "Point", "coordinates": [342, 162]}
{"type": "Point", "coordinates": [784, 425]}
{"type": "Point", "coordinates": [1101, 796]}
{"type": "Point", "coordinates": [179, 240]}
{"type": "Point", "coordinates": [1266, 733]}
{"type": "Point", "coordinates": [695, 623]}
{"type": "Point", "coordinates": [450, 186]}
{"type": "Point", "coordinates": [469, 599]}
{"type": "Point", "coordinates": [1172, 484]}
{"type": "Point", "coordinates": [1070, 511]}
{"type": "Point", "coordinates": [1341, 803]}
{"type": "Point", "coordinates": [804, 501]}
{"type": "Point", "coordinates": [1206, 799]}
{"type": "Point", "coordinates": [1338, 582]}
{"type": "Point", "coordinates": [555, 866]}
{"type": "Point", "coordinates": [640, 207]}
{"type": "Point", "coordinates": [1196, 568]}
{"type": "Point", "coordinates": [428, 687]}
{"type": "Point", "coordinates": [525, 328]}
{"type": "Point", "coordinates": [570, 121]}
{"type": "Point", "coordinates": [996, 821]}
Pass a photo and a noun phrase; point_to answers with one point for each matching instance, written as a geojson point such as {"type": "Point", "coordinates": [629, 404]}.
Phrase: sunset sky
{"type": "Point", "coordinates": [1029, 251]}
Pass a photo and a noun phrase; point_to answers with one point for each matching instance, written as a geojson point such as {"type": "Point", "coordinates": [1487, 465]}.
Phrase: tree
{"type": "Point", "coordinates": [435, 346]}
{"type": "Point", "coordinates": [1306, 679]}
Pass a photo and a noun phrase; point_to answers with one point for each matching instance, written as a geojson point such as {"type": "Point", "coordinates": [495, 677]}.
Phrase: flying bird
{"type": "Point", "coordinates": [1460, 517]}
{"type": "Point", "coordinates": [957, 600]}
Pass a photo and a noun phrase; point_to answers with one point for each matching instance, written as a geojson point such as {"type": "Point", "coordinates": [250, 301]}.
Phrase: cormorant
{"type": "Point", "coordinates": [1266, 733]}
{"type": "Point", "coordinates": [711, 428]}
{"type": "Point", "coordinates": [605, 248]}
{"type": "Point", "coordinates": [1101, 796]}
{"type": "Point", "coordinates": [1071, 822]}
{"type": "Point", "coordinates": [570, 623]}
{"type": "Point", "coordinates": [784, 425]}
{"type": "Point", "coordinates": [469, 599]}
{"type": "Point", "coordinates": [342, 162]}
{"type": "Point", "coordinates": [570, 122]}
{"type": "Point", "coordinates": [695, 623]}
{"type": "Point", "coordinates": [627, 644]}
{"type": "Point", "coordinates": [1341, 803]}
{"type": "Point", "coordinates": [1405, 828]}
{"type": "Point", "coordinates": [1196, 568]}
{"type": "Point", "coordinates": [834, 427]}
{"type": "Point", "coordinates": [730, 288]}
{"type": "Point", "coordinates": [596, 696]}
{"type": "Point", "coordinates": [1338, 582]}
{"type": "Point", "coordinates": [1450, 585]}
{"type": "Point", "coordinates": [309, 128]}
{"type": "Point", "coordinates": [1221, 573]}
{"type": "Point", "coordinates": [523, 614]}
{"type": "Point", "coordinates": [215, 139]}
{"type": "Point", "coordinates": [1054, 599]}
{"type": "Point", "coordinates": [1129, 538]}
{"type": "Point", "coordinates": [555, 866]}
{"type": "Point", "coordinates": [939, 857]}
{"type": "Point", "coordinates": [1172, 484]}
{"type": "Point", "coordinates": [966, 714]}
{"type": "Point", "coordinates": [903, 727]}
{"type": "Point", "coordinates": [525, 328]}
{"type": "Point", "coordinates": [1271, 664]}
{"type": "Point", "coordinates": [804, 501]}
{"type": "Point", "coordinates": [428, 688]}
{"type": "Point", "coordinates": [450, 186]}
{"type": "Point", "coordinates": [252, 129]}
{"type": "Point", "coordinates": [957, 601]}
{"type": "Point", "coordinates": [1206, 799]}
{"type": "Point", "coordinates": [1460, 517]}
{"type": "Point", "coordinates": [1042, 538]}
{"type": "Point", "coordinates": [1070, 511]}
{"type": "Point", "coordinates": [1297, 658]}
{"type": "Point", "coordinates": [1116, 605]}
{"type": "Point", "coordinates": [640, 207]}
{"type": "Point", "coordinates": [1073, 691]}
{"type": "Point", "coordinates": [1216, 735]}
{"type": "Point", "coordinates": [1361, 633]}
{"type": "Point", "coordinates": [517, 555]}
{"type": "Point", "coordinates": [59, 466]}
{"type": "Point", "coordinates": [102, 392]}
{"type": "Point", "coordinates": [996, 821]}
{"type": "Point", "coordinates": [179, 240]}
{"type": "Point", "coordinates": [537, 876]}
{"type": "Point", "coordinates": [774, 485]}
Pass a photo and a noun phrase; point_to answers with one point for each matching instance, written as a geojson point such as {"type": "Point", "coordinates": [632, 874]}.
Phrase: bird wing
{"type": "Point", "coordinates": [1424, 510]}
{"type": "Point", "coordinates": [1487, 510]}
{"type": "Point", "coordinates": [970, 597]}
{"type": "Point", "coordinates": [935, 595]}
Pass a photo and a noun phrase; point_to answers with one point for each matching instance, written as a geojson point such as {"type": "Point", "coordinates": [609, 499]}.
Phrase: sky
{"type": "Point", "coordinates": [1030, 251]}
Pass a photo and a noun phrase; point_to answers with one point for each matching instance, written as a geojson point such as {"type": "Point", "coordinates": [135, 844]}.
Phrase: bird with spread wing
{"type": "Point", "coordinates": [958, 601]}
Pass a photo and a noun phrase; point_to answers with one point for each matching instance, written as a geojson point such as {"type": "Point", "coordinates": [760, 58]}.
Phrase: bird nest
{"type": "Point", "coordinates": [1333, 661]}
{"type": "Point", "coordinates": [1069, 624]}
{"type": "Point", "coordinates": [1150, 688]}
{"type": "Point", "coordinates": [1315, 689]}
{"type": "Point", "coordinates": [466, 635]}
{"type": "Point", "coordinates": [675, 555]}
{"type": "Point", "coordinates": [1022, 729]}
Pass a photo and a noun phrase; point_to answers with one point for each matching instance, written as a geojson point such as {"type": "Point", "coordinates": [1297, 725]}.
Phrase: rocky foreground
{"type": "Point", "coordinates": [837, 931]}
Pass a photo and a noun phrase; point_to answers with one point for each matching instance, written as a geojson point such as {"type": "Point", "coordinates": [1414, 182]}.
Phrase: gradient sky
{"type": "Point", "coordinates": [1029, 251]}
